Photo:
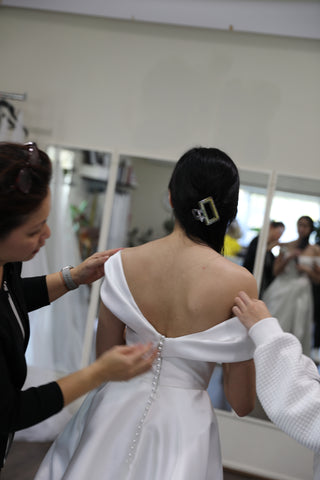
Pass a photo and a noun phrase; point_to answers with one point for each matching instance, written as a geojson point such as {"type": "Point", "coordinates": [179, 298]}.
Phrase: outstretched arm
{"type": "Point", "coordinates": [288, 382]}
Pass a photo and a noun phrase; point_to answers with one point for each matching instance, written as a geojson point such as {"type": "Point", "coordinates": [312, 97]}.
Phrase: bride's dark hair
{"type": "Point", "coordinates": [201, 173]}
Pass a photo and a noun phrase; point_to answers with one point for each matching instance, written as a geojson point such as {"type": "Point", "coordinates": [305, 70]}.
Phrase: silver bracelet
{"type": "Point", "coordinates": [67, 278]}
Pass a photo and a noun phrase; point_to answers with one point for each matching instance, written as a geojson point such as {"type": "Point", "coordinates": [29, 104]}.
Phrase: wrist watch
{"type": "Point", "coordinates": [67, 278]}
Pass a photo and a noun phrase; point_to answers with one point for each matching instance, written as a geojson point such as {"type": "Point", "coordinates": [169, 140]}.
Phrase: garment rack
{"type": "Point", "coordinates": [13, 96]}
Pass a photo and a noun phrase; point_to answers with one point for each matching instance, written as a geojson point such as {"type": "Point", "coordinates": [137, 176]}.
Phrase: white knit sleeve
{"type": "Point", "coordinates": [288, 383]}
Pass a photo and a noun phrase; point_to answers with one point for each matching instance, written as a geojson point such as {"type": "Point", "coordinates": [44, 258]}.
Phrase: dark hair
{"type": "Point", "coordinates": [275, 224]}
{"type": "Point", "coordinates": [201, 173]}
{"type": "Point", "coordinates": [305, 240]}
{"type": "Point", "coordinates": [15, 206]}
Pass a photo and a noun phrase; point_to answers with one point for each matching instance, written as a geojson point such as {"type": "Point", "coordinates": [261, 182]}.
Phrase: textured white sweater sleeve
{"type": "Point", "coordinates": [288, 383]}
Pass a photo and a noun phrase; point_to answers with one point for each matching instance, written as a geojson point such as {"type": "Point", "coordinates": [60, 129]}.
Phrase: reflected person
{"type": "Point", "coordinates": [289, 297]}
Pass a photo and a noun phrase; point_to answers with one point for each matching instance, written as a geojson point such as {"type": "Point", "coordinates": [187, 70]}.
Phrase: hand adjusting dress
{"type": "Point", "coordinates": [159, 425]}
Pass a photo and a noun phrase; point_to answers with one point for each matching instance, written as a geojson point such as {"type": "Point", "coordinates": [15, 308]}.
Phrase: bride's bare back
{"type": "Point", "coordinates": [182, 287]}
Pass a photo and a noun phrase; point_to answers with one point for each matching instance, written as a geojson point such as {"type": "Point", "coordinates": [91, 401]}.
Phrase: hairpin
{"type": "Point", "coordinates": [207, 212]}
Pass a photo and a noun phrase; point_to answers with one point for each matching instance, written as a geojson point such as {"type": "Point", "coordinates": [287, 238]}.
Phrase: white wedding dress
{"type": "Point", "coordinates": [289, 298]}
{"type": "Point", "coordinates": [159, 425]}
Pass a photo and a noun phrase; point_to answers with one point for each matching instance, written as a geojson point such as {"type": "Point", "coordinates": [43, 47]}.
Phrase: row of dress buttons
{"type": "Point", "coordinates": [155, 382]}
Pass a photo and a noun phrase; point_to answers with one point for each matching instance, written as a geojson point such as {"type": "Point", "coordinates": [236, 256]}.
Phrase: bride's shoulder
{"type": "Point", "coordinates": [227, 279]}
{"type": "Point", "coordinates": [233, 272]}
{"type": "Point", "coordinates": [141, 255]}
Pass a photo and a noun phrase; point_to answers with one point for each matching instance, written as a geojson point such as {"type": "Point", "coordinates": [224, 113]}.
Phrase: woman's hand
{"type": "Point", "coordinates": [118, 363]}
{"type": "Point", "coordinates": [124, 362]}
{"type": "Point", "coordinates": [248, 310]}
{"type": "Point", "coordinates": [92, 268]}
{"type": "Point", "coordinates": [88, 271]}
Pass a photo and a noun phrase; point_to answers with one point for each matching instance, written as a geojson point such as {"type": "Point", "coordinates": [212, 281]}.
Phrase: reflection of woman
{"type": "Point", "coordinates": [289, 297]}
{"type": "Point", "coordinates": [24, 207]}
{"type": "Point", "coordinates": [178, 293]}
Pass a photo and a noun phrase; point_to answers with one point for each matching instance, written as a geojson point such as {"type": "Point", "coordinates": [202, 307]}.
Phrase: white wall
{"type": "Point", "coordinates": [156, 90]}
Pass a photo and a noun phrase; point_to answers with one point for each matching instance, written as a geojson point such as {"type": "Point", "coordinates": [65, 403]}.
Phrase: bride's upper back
{"type": "Point", "coordinates": [182, 287]}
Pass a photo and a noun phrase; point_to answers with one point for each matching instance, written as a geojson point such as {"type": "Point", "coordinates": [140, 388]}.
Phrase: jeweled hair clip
{"type": "Point", "coordinates": [207, 211]}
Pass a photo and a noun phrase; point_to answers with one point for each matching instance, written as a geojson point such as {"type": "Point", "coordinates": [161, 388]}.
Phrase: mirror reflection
{"type": "Point", "coordinates": [83, 175]}
{"type": "Point", "coordinates": [251, 207]}
{"type": "Point", "coordinates": [293, 295]}
{"type": "Point", "coordinates": [290, 284]}
{"type": "Point", "coordinates": [141, 210]}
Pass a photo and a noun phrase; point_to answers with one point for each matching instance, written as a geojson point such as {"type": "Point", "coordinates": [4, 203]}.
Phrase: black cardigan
{"type": "Point", "coordinates": [21, 409]}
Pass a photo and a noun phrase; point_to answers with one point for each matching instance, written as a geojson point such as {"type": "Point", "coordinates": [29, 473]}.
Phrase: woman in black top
{"type": "Point", "coordinates": [25, 174]}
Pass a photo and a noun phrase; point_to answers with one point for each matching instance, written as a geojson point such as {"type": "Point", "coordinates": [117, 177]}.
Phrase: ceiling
{"type": "Point", "coordinates": [292, 18]}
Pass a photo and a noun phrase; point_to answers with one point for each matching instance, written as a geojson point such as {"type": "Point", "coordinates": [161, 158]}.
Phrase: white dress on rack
{"type": "Point", "coordinates": [159, 425]}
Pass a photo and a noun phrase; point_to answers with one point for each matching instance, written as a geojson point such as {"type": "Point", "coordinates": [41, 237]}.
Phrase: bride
{"type": "Point", "coordinates": [177, 292]}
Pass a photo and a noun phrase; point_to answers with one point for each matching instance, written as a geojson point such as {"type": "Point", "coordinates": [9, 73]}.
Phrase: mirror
{"type": "Point", "coordinates": [78, 187]}
{"type": "Point", "coordinates": [293, 296]}
{"type": "Point", "coordinates": [78, 191]}
{"type": "Point", "coordinates": [135, 210]}
{"type": "Point", "coordinates": [141, 213]}
{"type": "Point", "coordinates": [141, 210]}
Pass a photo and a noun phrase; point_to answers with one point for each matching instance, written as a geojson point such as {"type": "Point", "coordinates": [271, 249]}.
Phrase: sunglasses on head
{"type": "Point", "coordinates": [23, 182]}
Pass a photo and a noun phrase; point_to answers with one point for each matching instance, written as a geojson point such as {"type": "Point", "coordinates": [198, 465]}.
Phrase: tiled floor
{"type": "Point", "coordinates": [25, 458]}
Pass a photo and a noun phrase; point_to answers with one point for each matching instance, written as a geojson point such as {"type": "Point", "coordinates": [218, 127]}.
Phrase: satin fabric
{"type": "Point", "coordinates": [160, 425]}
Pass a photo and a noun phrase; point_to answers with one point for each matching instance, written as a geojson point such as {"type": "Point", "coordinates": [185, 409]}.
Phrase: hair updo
{"type": "Point", "coordinates": [201, 173]}
{"type": "Point", "coordinates": [15, 206]}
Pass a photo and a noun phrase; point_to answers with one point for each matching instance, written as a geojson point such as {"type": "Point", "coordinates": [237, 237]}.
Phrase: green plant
{"type": "Point", "coordinates": [79, 218]}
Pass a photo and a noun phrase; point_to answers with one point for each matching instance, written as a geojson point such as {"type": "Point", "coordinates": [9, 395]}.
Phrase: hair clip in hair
{"type": "Point", "coordinates": [207, 212]}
